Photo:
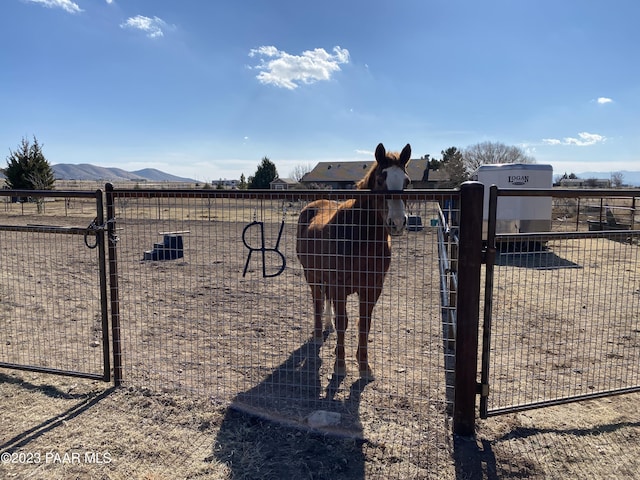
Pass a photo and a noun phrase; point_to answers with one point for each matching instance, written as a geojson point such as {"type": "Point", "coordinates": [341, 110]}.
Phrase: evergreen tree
{"type": "Point", "coordinates": [265, 174]}
{"type": "Point", "coordinates": [434, 163]}
{"type": "Point", "coordinates": [28, 169]}
{"type": "Point", "coordinates": [242, 184]}
{"type": "Point", "coordinates": [453, 162]}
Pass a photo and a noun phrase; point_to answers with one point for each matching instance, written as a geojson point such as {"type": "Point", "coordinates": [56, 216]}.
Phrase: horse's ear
{"type": "Point", "coordinates": [405, 155]}
{"type": "Point", "coordinates": [381, 154]}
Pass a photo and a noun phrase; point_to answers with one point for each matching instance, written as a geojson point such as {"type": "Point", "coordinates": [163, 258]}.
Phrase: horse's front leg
{"type": "Point", "coordinates": [368, 299]}
{"type": "Point", "coordinates": [340, 304]}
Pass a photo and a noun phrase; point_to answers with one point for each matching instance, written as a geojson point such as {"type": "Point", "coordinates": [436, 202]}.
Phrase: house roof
{"type": "Point", "coordinates": [354, 171]}
{"type": "Point", "coordinates": [289, 181]}
{"type": "Point", "coordinates": [439, 175]}
{"type": "Point", "coordinates": [337, 172]}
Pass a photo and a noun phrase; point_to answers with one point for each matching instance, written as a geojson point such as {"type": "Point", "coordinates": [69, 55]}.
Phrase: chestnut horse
{"type": "Point", "coordinates": [345, 248]}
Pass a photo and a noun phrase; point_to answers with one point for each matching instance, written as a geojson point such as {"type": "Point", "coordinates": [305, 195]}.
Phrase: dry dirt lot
{"type": "Point", "coordinates": [146, 435]}
{"type": "Point", "coordinates": [220, 379]}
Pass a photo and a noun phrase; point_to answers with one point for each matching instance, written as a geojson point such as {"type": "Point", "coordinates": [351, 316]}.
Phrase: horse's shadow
{"type": "Point", "coordinates": [277, 428]}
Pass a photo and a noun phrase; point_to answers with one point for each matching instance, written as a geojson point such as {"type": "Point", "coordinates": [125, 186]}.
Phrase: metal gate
{"type": "Point", "coordinates": [561, 308]}
{"type": "Point", "coordinates": [53, 286]}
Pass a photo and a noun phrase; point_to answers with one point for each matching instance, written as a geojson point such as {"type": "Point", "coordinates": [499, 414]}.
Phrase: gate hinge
{"type": "Point", "coordinates": [482, 389]}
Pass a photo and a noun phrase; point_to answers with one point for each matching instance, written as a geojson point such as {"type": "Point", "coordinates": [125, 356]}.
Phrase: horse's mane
{"type": "Point", "coordinates": [367, 181]}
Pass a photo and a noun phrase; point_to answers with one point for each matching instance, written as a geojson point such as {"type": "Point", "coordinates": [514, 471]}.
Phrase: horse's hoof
{"type": "Point", "coordinates": [367, 374]}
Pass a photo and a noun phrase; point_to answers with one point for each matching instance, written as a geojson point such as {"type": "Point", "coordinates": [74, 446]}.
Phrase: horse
{"type": "Point", "coordinates": [345, 248]}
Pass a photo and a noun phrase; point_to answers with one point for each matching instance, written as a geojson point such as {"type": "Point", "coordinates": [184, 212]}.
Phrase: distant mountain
{"type": "Point", "coordinates": [85, 171]}
{"type": "Point", "coordinates": [628, 177]}
{"type": "Point", "coordinates": [159, 176]}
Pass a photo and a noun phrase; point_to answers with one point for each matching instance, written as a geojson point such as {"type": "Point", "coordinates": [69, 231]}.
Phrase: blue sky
{"type": "Point", "coordinates": [205, 89]}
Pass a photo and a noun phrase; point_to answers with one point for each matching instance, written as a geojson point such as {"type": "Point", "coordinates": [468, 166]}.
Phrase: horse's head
{"type": "Point", "coordinates": [390, 174]}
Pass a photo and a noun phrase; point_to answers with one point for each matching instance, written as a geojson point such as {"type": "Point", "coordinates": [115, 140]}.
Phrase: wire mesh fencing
{"type": "Point", "coordinates": [566, 306]}
{"type": "Point", "coordinates": [214, 301]}
{"type": "Point", "coordinates": [52, 311]}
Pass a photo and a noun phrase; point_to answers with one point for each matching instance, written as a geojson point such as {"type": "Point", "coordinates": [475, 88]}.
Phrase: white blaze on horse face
{"type": "Point", "coordinates": [396, 216]}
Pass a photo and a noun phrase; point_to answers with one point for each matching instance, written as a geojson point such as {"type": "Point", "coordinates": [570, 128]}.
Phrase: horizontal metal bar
{"type": "Point", "coordinates": [48, 229]}
{"type": "Point", "coordinates": [291, 195]}
{"type": "Point", "coordinates": [50, 193]}
{"type": "Point", "coordinates": [55, 371]}
{"type": "Point", "coordinates": [566, 193]}
{"type": "Point", "coordinates": [560, 401]}
{"type": "Point", "coordinates": [510, 237]}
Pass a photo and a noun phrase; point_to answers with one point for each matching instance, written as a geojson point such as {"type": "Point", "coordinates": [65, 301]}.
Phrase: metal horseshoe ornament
{"type": "Point", "coordinates": [263, 249]}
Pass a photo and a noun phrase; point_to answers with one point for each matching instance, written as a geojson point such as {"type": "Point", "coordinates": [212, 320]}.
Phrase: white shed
{"type": "Point", "coordinates": [517, 214]}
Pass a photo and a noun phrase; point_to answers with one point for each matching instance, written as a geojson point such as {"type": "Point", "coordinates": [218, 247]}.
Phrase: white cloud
{"type": "Point", "coordinates": [603, 100]}
{"type": "Point", "coordinates": [584, 139]}
{"type": "Point", "coordinates": [284, 70]}
{"type": "Point", "coordinates": [66, 5]}
{"type": "Point", "coordinates": [153, 27]}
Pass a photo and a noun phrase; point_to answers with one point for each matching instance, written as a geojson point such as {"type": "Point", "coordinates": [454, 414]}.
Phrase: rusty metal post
{"type": "Point", "coordinates": [114, 290]}
{"type": "Point", "coordinates": [468, 308]}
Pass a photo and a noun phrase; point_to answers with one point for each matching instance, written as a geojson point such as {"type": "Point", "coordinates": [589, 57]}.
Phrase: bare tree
{"type": "Point", "coordinates": [493, 152]}
{"type": "Point", "coordinates": [300, 171]}
{"type": "Point", "coordinates": [616, 179]}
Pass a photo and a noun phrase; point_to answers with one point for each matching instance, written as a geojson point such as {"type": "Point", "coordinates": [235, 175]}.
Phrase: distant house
{"type": "Point", "coordinates": [345, 175]}
{"type": "Point", "coordinates": [226, 184]}
{"type": "Point", "coordinates": [283, 184]}
{"type": "Point", "coordinates": [585, 183]}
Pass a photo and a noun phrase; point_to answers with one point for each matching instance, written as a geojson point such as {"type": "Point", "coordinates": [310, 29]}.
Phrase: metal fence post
{"type": "Point", "coordinates": [114, 289]}
{"type": "Point", "coordinates": [468, 307]}
{"type": "Point", "coordinates": [104, 305]}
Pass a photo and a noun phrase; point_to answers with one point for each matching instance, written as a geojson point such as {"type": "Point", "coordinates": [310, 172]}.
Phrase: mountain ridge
{"type": "Point", "coordinates": [86, 171]}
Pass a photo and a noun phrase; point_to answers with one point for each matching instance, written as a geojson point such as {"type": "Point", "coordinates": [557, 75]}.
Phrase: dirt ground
{"type": "Point", "coordinates": [221, 381]}
{"type": "Point", "coordinates": [135, 433]}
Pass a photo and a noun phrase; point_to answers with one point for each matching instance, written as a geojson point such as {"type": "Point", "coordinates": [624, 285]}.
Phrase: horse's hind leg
{"type": "Point", "coordinates": [340, 304]}
{"type": "Point", "coordinates": [317, 291]}
{"type": "Point", "coordinates": [328, 310]}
